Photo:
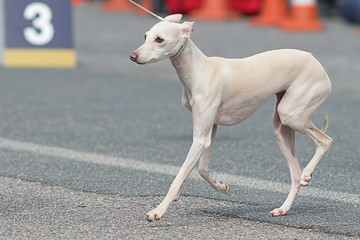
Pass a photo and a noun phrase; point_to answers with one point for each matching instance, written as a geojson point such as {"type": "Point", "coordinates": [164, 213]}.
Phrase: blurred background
{"type": "Point", "coordinates": [347, 9]}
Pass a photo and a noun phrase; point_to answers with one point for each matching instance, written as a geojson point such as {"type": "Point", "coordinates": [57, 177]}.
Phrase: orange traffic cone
{"type": "Point", "coordinates": [146, 4]}
{"type": "Point", "coordinates": [303, 17]}
{"type": "Point", "coordinates": [214, 10]}
{"type": "Point", "coordinates": [116, 5]}
{"type": "Point", "coordinates": [78, 2]}
{"type": "Point", "coordinates": [272, 12]}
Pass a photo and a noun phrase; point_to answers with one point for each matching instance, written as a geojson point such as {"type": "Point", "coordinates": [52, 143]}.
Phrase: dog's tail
{"type": "Point", "coordinates": [325, 126]}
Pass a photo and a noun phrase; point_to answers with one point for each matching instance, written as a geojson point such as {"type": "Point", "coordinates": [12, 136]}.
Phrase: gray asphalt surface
{"type": "Point", "coordinates": [114, 108]}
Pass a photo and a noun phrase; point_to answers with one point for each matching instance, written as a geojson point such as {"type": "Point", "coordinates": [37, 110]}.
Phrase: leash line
{"type": "Point", "coordinates": [146, 10]}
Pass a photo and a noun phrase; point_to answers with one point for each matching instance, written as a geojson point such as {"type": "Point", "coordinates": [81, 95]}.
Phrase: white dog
{"type": "Point", "coordinates": [221, 91]}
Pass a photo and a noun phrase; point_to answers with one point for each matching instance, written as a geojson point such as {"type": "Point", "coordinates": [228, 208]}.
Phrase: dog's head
{"type": "Point", "coordinates": [165, 39]}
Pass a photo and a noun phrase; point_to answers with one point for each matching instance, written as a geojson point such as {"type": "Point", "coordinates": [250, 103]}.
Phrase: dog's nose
{"type": "Point", "coordinates": [133, 57]}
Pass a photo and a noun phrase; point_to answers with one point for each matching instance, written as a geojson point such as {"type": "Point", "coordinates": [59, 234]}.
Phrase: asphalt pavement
{"type": "Point", "coordinates": [86, 152]}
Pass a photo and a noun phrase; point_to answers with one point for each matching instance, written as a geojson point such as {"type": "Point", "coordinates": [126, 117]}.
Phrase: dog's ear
{"type": "Point", "coordinates": [173, 18]}
{"type": "Point", "coordinates": [187, 29]}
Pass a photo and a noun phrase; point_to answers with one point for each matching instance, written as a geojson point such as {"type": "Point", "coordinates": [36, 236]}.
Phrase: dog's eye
{"type": "Point", "coordinates": [159, 40]}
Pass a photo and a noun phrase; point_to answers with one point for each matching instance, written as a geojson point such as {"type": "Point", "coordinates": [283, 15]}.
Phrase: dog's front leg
{"type": "Point", "coordinates": [195, 151]}
{"type": "Point", "coordinates": [202, 123]}
{"type": "Point", "coordinates": [204, 169]}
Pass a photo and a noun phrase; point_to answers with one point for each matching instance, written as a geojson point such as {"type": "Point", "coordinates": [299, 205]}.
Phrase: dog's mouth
{"type": "Point", "coordinates": [146, 62]}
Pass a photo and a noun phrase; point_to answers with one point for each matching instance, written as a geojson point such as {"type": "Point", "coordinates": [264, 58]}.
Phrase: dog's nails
{"type": "Point", "coordinates": [148, 218]}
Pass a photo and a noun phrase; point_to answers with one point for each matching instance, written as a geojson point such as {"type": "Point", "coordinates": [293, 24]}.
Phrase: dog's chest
{"type": "Point", "coordinates": [228, 117]}
{"type": "Point", "coordinates": [236, 111]}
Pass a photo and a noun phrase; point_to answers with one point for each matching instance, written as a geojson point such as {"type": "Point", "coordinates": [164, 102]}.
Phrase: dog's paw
{"type": "Point", "coordinates": [226, 189]}
{"type": "Point", "coordinates": [151, 217]}
{"type": "Point", "coordinates": [305, 178]}
{"type": "Point", "coordinates": [221, 187]}
{"type": "Point", "coordinates": [155, 215]}
{"type": "Point", "coordinates": [278, 212]}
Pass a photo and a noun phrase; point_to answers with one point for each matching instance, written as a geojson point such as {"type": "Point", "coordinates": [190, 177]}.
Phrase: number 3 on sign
{"type": "Point", "coordinates": [42, 30]}
{"type": "Point", "coordinates": [38, 33]}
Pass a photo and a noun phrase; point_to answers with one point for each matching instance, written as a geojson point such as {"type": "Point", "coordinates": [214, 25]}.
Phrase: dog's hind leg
{"type": "Point", "coordinates": [322, 143]}
{"type": "Point", "coordinates": [295, 110]}
{"type": "Point", "coordinates": [204, 169]}
{"type": "Point", "coordinates": [286, 141]}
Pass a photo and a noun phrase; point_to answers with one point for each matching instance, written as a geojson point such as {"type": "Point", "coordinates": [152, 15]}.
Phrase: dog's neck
{"type": "Point", "coordinates": [179, 51]}
{"type": "Point", "coordinates": [185, 61]}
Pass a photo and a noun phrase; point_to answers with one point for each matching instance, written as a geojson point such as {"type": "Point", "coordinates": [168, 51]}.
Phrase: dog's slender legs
{"type": "Point", "coordinates": [286, 142]}
{"type": "Point", "coordinates": [175, 188]}
{"type": "Point", "coordinates": [322, 143]}
{"type": "Point", "coordinates": [204, 169]}
{"type": "Point", "coordinates": [295, 110]}
{"type": "Point", "coordinates": [203, 122]}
